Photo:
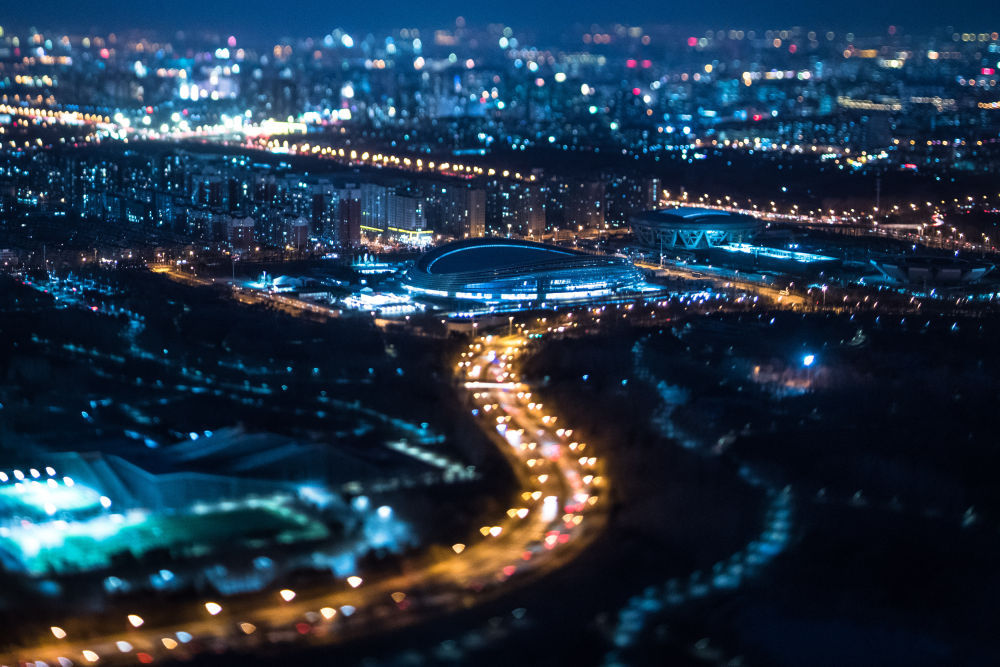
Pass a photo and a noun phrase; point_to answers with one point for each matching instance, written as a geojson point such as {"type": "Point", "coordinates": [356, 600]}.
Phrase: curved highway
{"type": "Point", "coordinates": [557, 513]}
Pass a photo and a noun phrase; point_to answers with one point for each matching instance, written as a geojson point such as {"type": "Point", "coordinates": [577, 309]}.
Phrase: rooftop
{"type": "Point", "coordinates": [692, 216]}
{"type": "Point", "coordinates": [489, 254]}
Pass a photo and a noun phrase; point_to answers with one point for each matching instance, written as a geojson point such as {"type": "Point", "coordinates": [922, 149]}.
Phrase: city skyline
{"type": "Point", "coordinates": [260, 19]}
{"type": "Point", "coordinates": [435, 339]}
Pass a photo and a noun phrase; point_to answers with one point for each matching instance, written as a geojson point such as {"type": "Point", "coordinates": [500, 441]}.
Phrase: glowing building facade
{"type": "Point", "coordinates": [692, 228]}
{"type": "Point", "coordinates": [505, 271]}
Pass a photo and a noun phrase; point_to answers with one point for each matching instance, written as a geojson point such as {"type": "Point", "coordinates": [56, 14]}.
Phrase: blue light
{"type": "Point", "coordinates": [808, 360]}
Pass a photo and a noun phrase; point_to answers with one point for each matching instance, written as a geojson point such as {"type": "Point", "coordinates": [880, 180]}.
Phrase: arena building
{"type": "Point", "coordinates": [507, 271]}
{"type": "Point", "coordinates": [931, 271]}
{"type": "Point", "coordinates": [691, 228]}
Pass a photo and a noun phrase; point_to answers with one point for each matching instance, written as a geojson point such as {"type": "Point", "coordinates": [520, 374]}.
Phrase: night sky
{"type": "Point", "coordinates": [268, 18]}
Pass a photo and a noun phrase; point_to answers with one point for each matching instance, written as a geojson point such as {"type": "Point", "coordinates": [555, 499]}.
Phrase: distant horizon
{"type": "Point", "coordinates": [259, 19]}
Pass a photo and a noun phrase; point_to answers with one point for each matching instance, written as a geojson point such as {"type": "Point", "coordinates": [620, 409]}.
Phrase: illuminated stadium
{"type": "Point", "coordinates": [91, 512]}
{"type": "Point", "coordinates": [692, 228]}
{"type": "Point", "coordinates": [57, 523]}
{"type": "Point", "coordinates": [497, 271]}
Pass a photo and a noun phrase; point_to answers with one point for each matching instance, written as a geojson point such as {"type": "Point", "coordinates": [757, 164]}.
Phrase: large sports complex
{"type": "Point", "coordinates": [507, 271]}
{"type": "Point", "coordinates": [722, 238]}
{"type": "Point", "coordinates": [692, 228]}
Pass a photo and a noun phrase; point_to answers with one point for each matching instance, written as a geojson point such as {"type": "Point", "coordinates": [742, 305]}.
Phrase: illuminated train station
{"type": "Point", "coordinates": [506, 271]}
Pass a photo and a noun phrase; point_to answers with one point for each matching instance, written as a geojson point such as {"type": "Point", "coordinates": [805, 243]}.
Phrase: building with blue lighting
{"type": "Point", "coordinates": [691, 228]}
{"type": "Point", "coordinates": [506, 271]}
{"type": "Point", "coordinates": [745, 256]}
{"type": "Point", "coordinates": [931, 271]}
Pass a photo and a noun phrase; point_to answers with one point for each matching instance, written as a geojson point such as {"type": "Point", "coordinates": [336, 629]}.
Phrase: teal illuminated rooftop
{"type": "Point", "coordinates": [775, 253]}
{"type": "Point", "coordinates": [61, 546]}
{"type": "Point", "coordinates": [36, 495]}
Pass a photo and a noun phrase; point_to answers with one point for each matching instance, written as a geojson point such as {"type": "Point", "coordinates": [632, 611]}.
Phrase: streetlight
{"type": "Point", "coordinates": [807, 361]}
{"type": "Point", "coordinates": [510, 325]}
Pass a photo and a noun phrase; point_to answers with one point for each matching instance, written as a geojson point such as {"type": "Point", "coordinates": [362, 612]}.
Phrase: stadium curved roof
{"type": "Point", "coordinates": [498, 269]}
{"type": "Point", "coordinates": [492, 254]}
{"type": "Point", "coordinates": [692, 228]}
{"type": "Point", "coordinates": [693, 217]}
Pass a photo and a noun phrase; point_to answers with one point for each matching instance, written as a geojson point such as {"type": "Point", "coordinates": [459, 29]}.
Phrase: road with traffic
{"type": "Point", "coordinates": [558, 512]}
